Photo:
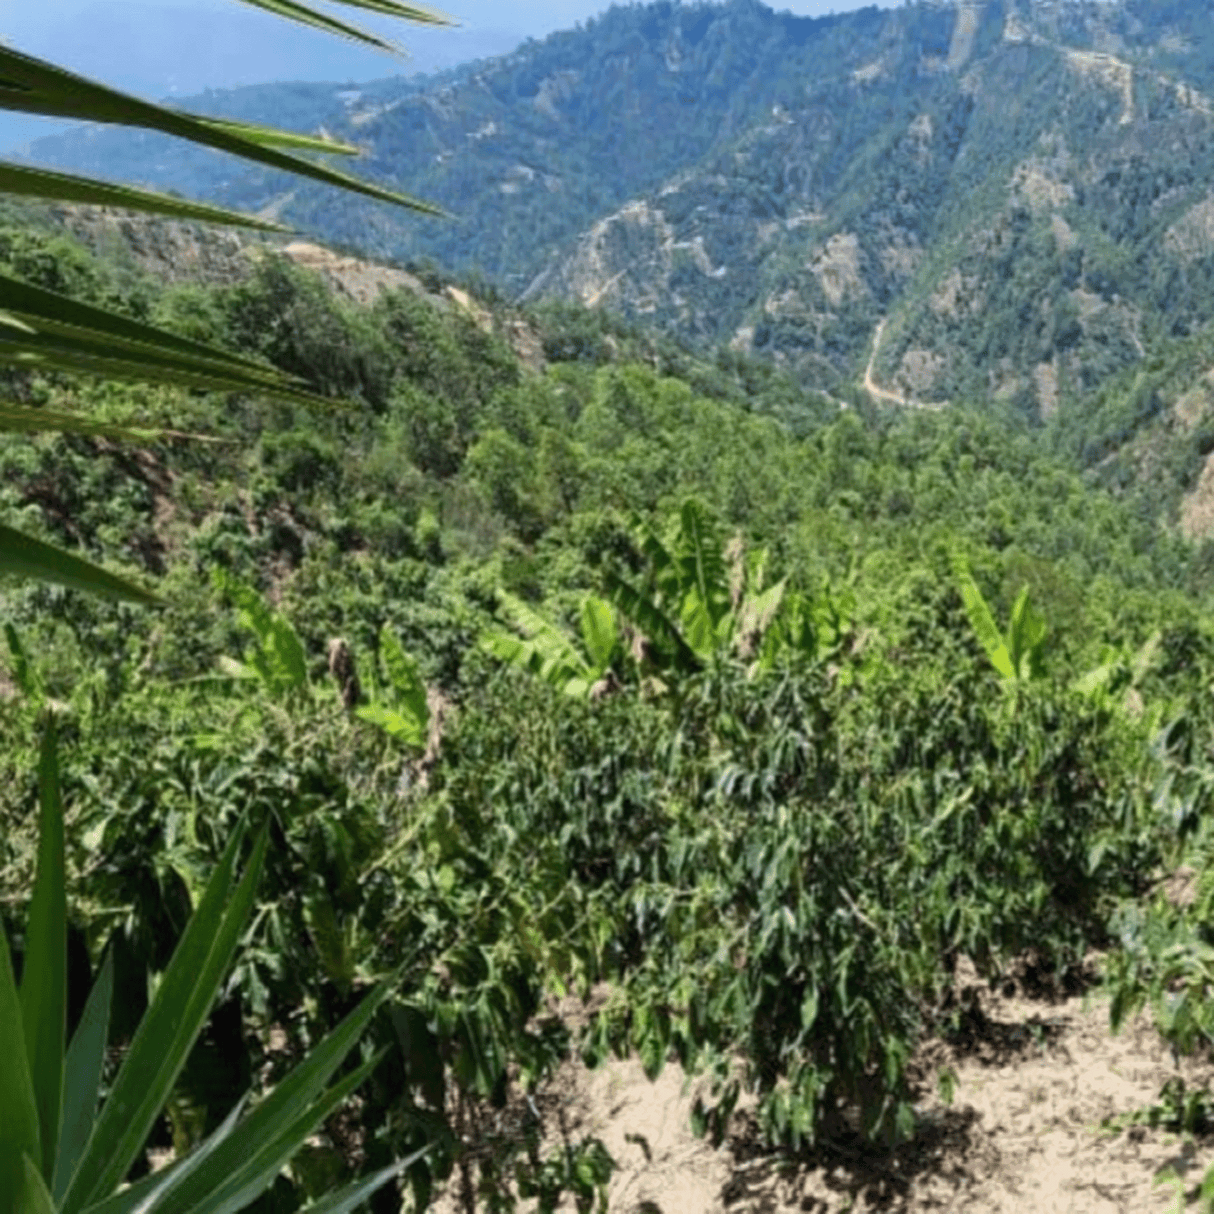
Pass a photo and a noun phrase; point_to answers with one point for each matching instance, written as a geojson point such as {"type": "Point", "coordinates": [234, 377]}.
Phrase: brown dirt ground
{"type": "Point", "coordinates": [1035, 1077]}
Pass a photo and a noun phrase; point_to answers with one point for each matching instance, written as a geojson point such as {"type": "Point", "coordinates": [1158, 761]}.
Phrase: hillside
{"type": "Point", "coordinates": [575, 671]}
{"type": "Point", "coordinates": [1017, 189]}
{"type": "Point", "coordinates": [726, 727]}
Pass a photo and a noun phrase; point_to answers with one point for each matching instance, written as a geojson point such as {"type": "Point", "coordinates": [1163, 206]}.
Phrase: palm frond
{"type": "Point", "coordinates": [34, 86]}
{"type": "Point", "coordinates": [64, 187]}
{"type": "Point", "coordinates": [306, 15]}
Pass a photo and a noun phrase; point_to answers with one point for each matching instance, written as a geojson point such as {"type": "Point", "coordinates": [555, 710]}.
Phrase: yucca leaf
{"type": "Point", "coordinates": [23, 556]}
{"type": "Point", "coordinates": [19, 1131]}
{"type": "Point", "coordinates": [65, 187]}
{"type": "Point", "coordinates": [50, 313]}
{"type": "Point", "coordinates": [422, 14]}
{"type": "Point", "coordinates": [9, 321]}
{"type": "Point", "coordinates": [27, 419]}
{"type": "Point", "coordinates": [143, 1195]}
{"type": "Point", "coordinates": [389, 8]}
{"type": "Point", "coordinates": [19, 664]}
{"type": "Point", "coordinates": [82, 1078]}
{"type": "Point", "coordinates": [295, 11]}
{"type": "Point", "coordinates": [342, 1201]}
{"type": "Point", "coordinates": [252, 1155]}
{"type": "Point", "coordinates": [273, 137]}
{"type": "Point", "coordinates": [34, 86]}
{"type": "Point", "coordinates": [241, 1169]}
{"type": "Point", "coordinates": [63, 334]}
{"type": "Point", "coordinates": [44, 979]}
{"type": "Point", "coordinates": [22, 1189]}
{"type": "Point", "coordinates": [169, 1027]}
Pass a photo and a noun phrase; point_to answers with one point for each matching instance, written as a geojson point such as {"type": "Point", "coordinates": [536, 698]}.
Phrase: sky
{"type": "Point", "coordinates": [162, 48]}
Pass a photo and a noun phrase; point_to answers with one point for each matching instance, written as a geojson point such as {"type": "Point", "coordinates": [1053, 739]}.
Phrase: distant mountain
{"type": "Point", "coordinates": [1007, 201]}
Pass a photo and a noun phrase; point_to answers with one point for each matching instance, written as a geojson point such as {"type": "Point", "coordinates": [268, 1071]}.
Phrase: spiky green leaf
{"type": "Point", "coordinates": [306, 15]}
{"type": "Point", "coordinates": [82, 1078]}
{"type": "Point", "coordinates": [28, 182]}
{"type": "Point", "coordinates": [23, 556]}
{"type": "Point", "coordinates": [44, 979]}
{"type": "Point", "coordinates": [169, 1028]}
{"type": "Point", "coordinates": [19, 1129]}
{"type": "Point", "coordinates": [34, 86]}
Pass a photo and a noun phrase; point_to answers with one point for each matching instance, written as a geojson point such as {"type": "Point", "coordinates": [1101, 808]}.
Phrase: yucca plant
{"type": "Point", "coordinates": [62, 1154]}
{"type": "Point", "coordinates": [43, 330]}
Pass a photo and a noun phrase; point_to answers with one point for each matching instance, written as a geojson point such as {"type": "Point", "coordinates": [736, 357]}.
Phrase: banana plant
{"type": "Point", "coordinates": [405, 712]}
{"type": "Point", "coordinates": [1019, 653]}
{"type": "Point", "coordinates": [699, 598]}
{"type": "Point", "coordinates": [276, 658]}
{"type": "Point", "coordinates": [43, 330]}
{"type": "Point", "coordinates": [547, 652]}
{"type": "Point", "coordinates": [65, 1150]}
{"type": "Point", "coordinates": [813, 626]}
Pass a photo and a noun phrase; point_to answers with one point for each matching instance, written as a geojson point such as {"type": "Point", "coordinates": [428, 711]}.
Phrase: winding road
{"type": "Point", "coordinates": [871, 386]}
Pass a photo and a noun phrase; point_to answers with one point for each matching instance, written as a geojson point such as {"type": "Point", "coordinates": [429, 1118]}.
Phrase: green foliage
{"type": "Point", "coordinates": [406, 715]}
{"type": "Point", "coordinates": [1020, 653]}
{"type": "Point", "coordinates": [550, 655]}
{"type": "Point", "coordinates": [50, 331]}
{"type": "Point", "coordinates": [61, 1152]}
{"type": "Point", "coordinates": [773, 868]}
{"type": "Point", "coordinates": [277, 656]}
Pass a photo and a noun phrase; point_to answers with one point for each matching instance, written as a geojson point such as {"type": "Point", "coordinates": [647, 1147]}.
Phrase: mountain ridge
{"type": "Point", "coordinates": [1002, 203]}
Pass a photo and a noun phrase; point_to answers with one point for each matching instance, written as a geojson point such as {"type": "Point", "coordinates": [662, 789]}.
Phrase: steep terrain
{"type": "Point", "coordinates": [1002, 203]}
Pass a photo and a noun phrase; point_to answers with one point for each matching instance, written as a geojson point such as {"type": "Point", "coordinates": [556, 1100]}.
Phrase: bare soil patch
{"type": "Point", "coordinates": [1036, 1071]}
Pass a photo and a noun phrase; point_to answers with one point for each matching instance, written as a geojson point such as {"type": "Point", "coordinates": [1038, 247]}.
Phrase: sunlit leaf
{"type": "Point", "coordinates": [598, 632]}
{"type": "Point", "coordinates": [408, 687]}
{"type": "Point", "coordinates": [63, 187]}
{"type": "Point", "coordinates": [44, 980]}
{"type": "Point", "coordinates": [34, 86]}
{"type": "Point", "coordinates": [23, 556]}
{"type": "Point", "coordinates": [982, 622]}
{"type": "Point", "coordinates": [307, 15]}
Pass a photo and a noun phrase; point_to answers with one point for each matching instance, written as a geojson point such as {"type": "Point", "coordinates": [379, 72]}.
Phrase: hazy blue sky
{"type": "Point", "coordinates": [163, 47]}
